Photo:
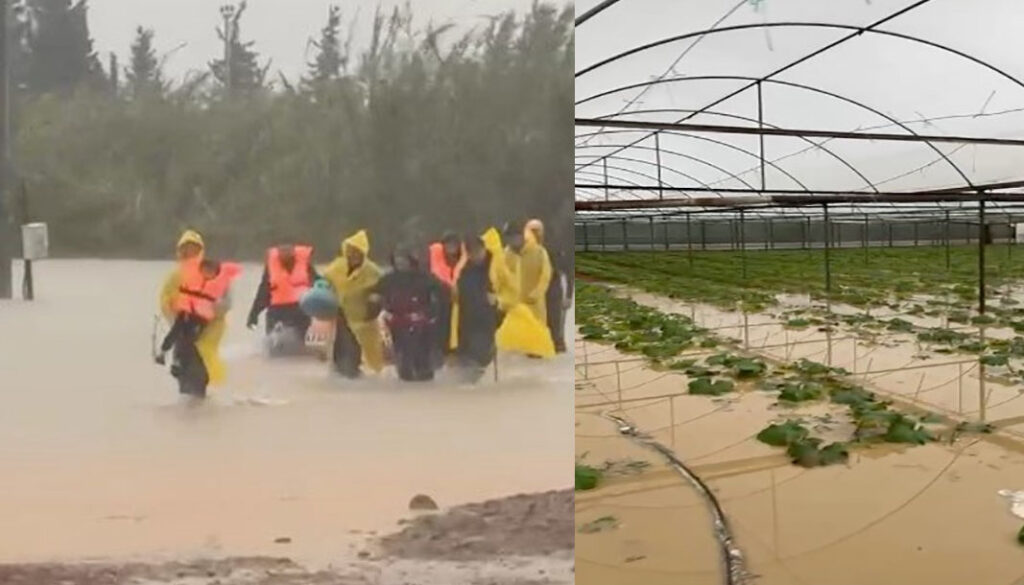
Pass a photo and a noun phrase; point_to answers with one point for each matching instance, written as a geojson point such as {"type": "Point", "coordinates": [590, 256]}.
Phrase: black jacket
{"type": "Point", "coordinates": [410, 295]}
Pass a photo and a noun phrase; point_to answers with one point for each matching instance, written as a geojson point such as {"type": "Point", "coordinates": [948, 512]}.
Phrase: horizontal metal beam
{"type": "Point", "coordinates": [989, 188]}
{"type": "Point", "coordinates": [795, 200]}
{"type": "Point", "coordinates": [722, 129]}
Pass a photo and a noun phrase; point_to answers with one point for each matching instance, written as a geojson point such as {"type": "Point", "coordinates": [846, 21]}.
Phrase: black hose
{"type": "Point", "coordinates": [732, 557]}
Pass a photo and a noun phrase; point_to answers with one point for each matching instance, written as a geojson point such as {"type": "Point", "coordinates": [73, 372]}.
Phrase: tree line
{"type": "Point", "coordinates": [419, 132]}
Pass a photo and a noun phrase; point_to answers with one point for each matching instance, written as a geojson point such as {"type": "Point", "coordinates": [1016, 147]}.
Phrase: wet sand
{"type": "Point", "coordinates": [103, 461]}
{"type": "Point", "coordinates": [924, 515]}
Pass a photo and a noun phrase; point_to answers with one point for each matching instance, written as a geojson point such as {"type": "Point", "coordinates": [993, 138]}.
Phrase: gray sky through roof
{"type": "Point", "coordinates": [869, 82]}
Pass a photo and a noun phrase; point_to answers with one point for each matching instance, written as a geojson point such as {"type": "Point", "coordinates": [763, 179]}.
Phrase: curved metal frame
{"type": "Point", "coordinates": [729, 174]}
{"type": "Point", "coordinates": [706, 139]}
{"type": "Point", "coordinates": [752, 82]}
{"type": "Point", "coordinates": [792, 84]}
{"type": "Point", "coordinates": [661, 182]}
{"type": "Point", "coordinates": [814, 145]}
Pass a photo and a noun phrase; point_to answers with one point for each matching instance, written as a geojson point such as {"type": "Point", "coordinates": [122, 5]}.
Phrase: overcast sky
{"type": "Point", "coordinates": [901, 79]}
{"type": "Point", "coordinates": [280, 28]}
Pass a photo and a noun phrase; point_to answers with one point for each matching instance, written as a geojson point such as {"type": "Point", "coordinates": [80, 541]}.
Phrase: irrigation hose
{"type": "Point", "coordinates": [732, 556]}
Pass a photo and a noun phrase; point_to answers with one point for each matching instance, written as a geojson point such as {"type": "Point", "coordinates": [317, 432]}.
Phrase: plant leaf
{"type": "Point", "coordinates": [782, 435]}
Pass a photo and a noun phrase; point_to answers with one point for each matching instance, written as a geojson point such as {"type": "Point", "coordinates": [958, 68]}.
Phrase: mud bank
{"type": "Point", "coordinates": [521, 540]}
{"type": "Point", "coordinates": [271, 571]}
{"type": "Point", "coordinates": [523, 525]}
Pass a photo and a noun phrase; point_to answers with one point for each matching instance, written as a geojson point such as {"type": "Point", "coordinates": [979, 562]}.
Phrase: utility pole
{"type": "Point", "coordinates": [115, 77]}
{"type": "Point", "coordinates": [6, 227]}
{"type": "Point", "coordinates": [227, 12]}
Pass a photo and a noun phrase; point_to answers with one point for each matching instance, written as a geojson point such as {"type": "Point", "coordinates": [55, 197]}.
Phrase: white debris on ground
{"type": "Point", "coordinates": [1016, 499]}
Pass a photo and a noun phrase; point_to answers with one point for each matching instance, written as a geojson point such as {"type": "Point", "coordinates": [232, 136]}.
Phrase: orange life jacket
{"type": "Point", "coordinates": [198, 295]}
{"type": "Point", "coordinates": [439, 264]}
{"type": "Point", "coordinates": [286, 288]}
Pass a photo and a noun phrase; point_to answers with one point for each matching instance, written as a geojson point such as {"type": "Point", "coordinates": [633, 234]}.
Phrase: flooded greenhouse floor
{"type": "Point", "coordinates": [103, 462]}
{"type": "Point", "coordinates": [915, 515]}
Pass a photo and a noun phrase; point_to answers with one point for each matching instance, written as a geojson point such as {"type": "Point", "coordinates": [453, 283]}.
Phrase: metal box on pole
{"type": "Point", "coordinates": [35, 241]}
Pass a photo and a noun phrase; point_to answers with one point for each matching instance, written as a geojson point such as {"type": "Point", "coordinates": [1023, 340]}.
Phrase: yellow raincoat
{"type": "Point", "coordinates": [353, 291]}
{"type": "Point", "coordinates": [521, 331]}
{"type": "Point", "coordinates": [208, 344]}
{"type": "Point", "coordinates": [533, 267]}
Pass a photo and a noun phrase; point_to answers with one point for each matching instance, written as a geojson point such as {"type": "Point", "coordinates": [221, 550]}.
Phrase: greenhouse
{"type": "Point", "coordinates": [800, 346]}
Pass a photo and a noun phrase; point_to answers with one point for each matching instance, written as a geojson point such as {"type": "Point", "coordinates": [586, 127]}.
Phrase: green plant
{"type": "Point", "coordinates": [748, 368]}
{"type": "Point", "coordinates": [942, 336]}
{"type": "Point", "coordinates": [593, 331]}
{"type": "Point", "coordinates": [811, 369]}
{"type": "Point", "coordinates": [781, 435]}
{"type": "Point", "coordinates": [801, 391]}
{"type": "Point", "coordinates": [851, 396]}
{"type": "Point", "coordinates": [995, 359]}
{"type": "Point", "coordinates": [682, 365]}
{"type": "Point", "coordinates": [709, 387]}
{"type": "Point", "coordinates": [972, 347]}
{"type": "Point", "coordinates": [587, 477]}
{"type": "Point", "coordinates": [899, 325]}
{"type": "Point", "coordinates": [904, 430]}
{"type": "Point", "coordinates": [741, 367]}
{"type": "Point", "coordinates": [959, 317]}
{"type": "Point", "coordinates": [698, 371]}
{"type": "Point", "coordinates": [810, 453]}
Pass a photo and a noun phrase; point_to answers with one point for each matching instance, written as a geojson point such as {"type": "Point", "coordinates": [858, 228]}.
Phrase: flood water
{"type": "Point", "coordinates": [920, 515]}
{"type": "Point", "coordinates": [102, 459]}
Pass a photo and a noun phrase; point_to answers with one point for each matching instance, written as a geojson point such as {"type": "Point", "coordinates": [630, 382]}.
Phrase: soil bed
{"type": "Point", "coordinates": [523, 525]}
{"type": "Point", "coordinates": [520, 540]}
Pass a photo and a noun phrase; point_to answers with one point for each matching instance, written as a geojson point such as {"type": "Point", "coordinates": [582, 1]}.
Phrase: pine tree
{"type": "Point", "coordinates": [332, 58]}
{"type": "Point", "coordinates": [144, 75]}
{"type": "Point", "coordinates": [59, 49]}
{"type": "Point", "coordinates": [245, 75]}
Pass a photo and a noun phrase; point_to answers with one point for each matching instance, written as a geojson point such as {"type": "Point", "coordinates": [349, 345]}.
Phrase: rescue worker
{"type": "Point", "coordinates": [504, 280]}
{"type": "Point", "coordinates": [446, 258]}
{"type": "Point", "coordinates": [287, 274]}
{"type": "Point", "coordinates": [555, 301]}
{"type": "Point", "coordinates": [412, 300]}
{"type": "Point", "coordinates": [476, 297]}
{"type": "Point", "coordinates": [204, 285]}
{"type": "Point", "coordinates": [357, 334]}
{"type": "Point", "coordinates": [520, 331]}
{"type": "Point", "coordinates": [202, 362]}
{"type": "Point", "coordinates": [528, 261]}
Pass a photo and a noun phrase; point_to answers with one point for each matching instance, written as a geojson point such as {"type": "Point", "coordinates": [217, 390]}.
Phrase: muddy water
{"type": "Point", "coordinates": [923, 515]}
{"type": "Point", "coordinates": [101, 458]}
{"type": "Point", "coordinates": [899, 365]}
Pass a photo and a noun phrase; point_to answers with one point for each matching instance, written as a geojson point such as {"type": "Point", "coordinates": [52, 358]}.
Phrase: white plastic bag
{"type": "Point", "coordinates": [1016, 499]}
